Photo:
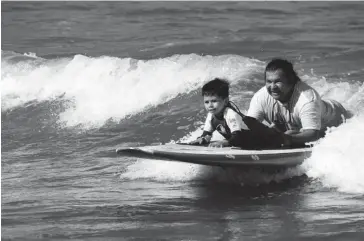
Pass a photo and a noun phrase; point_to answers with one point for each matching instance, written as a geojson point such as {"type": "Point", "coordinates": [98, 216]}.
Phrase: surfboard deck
{"type": "Point", "coordinates": [226, 156]}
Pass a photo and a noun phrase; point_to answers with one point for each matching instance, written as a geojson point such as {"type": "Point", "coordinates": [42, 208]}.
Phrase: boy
{"type": "Point", "coordinates": [238, 130]}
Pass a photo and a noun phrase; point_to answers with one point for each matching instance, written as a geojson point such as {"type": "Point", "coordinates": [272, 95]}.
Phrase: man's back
{"type": "Point", "coordinates": [304, 110]}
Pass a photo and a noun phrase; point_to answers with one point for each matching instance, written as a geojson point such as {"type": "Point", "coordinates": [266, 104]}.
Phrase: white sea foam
{"type": "Point", "coordinates": [108, 87]}
{"type": "Point", "coordinates": [337, 161]}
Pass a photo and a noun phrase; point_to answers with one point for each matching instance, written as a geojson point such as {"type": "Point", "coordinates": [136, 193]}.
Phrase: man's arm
{"type": "Point", "coordinates": [301, 137]}
{"type": "Point", "coordinates": [310, 116]}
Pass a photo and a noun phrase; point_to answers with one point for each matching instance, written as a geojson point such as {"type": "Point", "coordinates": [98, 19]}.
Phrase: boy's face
{"type": "Point", "coordinates": [214, 104]}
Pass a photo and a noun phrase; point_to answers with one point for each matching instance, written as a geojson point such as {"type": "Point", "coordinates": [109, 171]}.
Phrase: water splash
{"type": "Point", "coordinates": [104, 88]}
{"type": "Point", "coordinates": [337, 161]}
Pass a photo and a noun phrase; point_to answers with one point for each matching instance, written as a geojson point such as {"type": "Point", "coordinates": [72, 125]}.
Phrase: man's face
{"type": "Point", "coordinates": [278, 85]}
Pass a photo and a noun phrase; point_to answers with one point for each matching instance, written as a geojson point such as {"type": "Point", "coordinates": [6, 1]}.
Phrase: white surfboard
{"type": "Point", "coordinates": [226, 156]}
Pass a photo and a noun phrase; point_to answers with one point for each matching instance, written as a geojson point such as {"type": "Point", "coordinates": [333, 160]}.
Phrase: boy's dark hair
{"type": "Point", "coordinates": [217, 87]}
{"type": "Point", "coordinates": [285, 66]}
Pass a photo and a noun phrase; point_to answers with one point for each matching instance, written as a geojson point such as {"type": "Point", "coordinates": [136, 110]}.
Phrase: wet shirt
{"type": "Point", "coordinates": [304, 110]}
{"type": "Point", "coordinates": [230, 123]}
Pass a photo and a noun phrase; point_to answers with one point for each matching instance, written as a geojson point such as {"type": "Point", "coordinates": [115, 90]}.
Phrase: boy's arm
{"type": "Point", "coordinates": [235, 140]}
{"type": "Point", "coordinates": [207, 132]}
{"type": "Point", "coordinates": [205, 138]}
{"type": "Point", "coordinates": [235, 124]}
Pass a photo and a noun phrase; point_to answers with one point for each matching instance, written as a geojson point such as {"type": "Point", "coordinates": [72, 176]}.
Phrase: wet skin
{"type": "Point", "coordinates": [215, 104]}
{"type": "Point", "coordinates": [278, 85]}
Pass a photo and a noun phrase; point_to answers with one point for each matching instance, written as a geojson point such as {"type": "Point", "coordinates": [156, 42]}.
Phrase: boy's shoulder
{"type": "Point", "coordinates": [234, 120]}
{"type": "Point", "coordinates": [230, 113]}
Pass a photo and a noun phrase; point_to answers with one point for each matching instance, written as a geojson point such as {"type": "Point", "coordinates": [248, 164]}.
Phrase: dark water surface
{"type": "Point", "coordinates": [80, 79]}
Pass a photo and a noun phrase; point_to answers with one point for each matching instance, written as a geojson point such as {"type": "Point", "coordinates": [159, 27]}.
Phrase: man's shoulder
{"type": "Point", "coordinates": [262, 94]}
{"type": "Point", "coordinates": [306, 93]}
{"type": "Point", "coordinates": [262, 91]}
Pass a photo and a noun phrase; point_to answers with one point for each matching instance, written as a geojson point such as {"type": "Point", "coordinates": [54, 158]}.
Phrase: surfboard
{"type": "Point", "coordinates": [226, 156]}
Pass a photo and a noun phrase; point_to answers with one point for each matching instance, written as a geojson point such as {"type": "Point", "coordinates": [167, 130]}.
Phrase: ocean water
{"type": "Point", "coordinates": [80, 79]}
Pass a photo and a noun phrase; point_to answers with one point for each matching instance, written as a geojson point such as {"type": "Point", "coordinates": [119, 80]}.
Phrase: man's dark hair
{"type": "Point", "coordinates": [217, 87]}
{"type": "Point", "coordinates": [285, 66]}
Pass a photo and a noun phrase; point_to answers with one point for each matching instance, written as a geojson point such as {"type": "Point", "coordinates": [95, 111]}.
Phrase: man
{"type": "Point", "coordinates": [293, 107]}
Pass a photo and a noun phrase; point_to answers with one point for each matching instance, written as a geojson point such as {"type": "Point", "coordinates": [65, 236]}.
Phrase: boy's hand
{"type": "Point", "coordinates": [219, 143]}
{"type": "Point", "coordinates": [201, 141]}
{"type": "Point", "coordinates": [198, 141]}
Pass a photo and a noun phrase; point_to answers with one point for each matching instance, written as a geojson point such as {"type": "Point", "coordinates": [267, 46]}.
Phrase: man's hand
{"type": "Point", "coordinates": [222, 143]}
{"type": "Point", "coordinates": [300, 137]}
{"type": "Point", "coordinates": [291, 132]}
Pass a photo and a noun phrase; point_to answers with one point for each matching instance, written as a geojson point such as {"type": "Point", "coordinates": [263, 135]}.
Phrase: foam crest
{"type": "Point", "coordinates": [172, 171]}
{"type": "Point", "coordinates": [163, 171]}
{"type": "Point", "coordinates": [104, 88]}
{"type": "Point", "coordinates": [346, 92]}
{"type": "Point", "coordinates": [337, 161]}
